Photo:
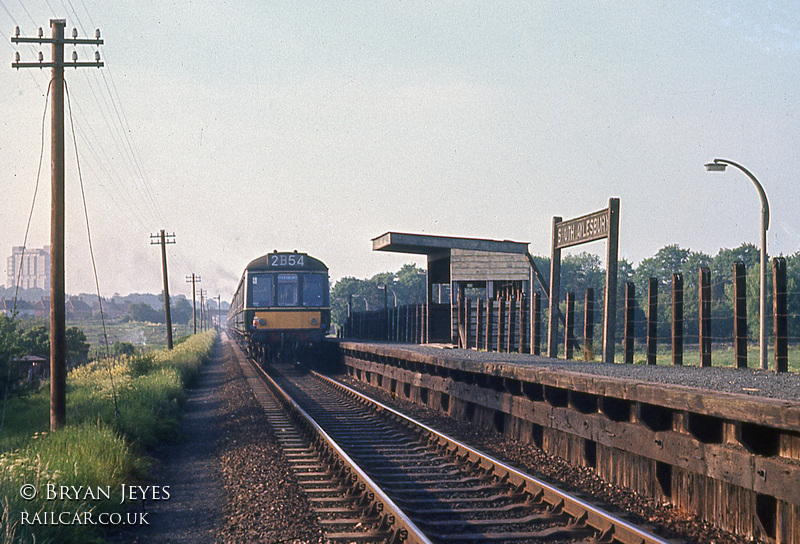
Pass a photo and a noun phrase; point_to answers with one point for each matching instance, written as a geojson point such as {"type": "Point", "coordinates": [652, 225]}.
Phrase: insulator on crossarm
{"type": "Point", "coordinates": [74, 56]}
{"type": "Point", "coordinates": [41, 32]}
{"type": "Point", "coordinates": [97, 34]}
{"type": "Point", "coordinates": [74, 32]}
{"type": "Point", "coordinates": [16, 56]}
{"type": "Point", "coordinates": [16, 32]}
{"type": "Point", "coordinates": [97, 56]}
{"type": "Point", "coordinates": [41, 56]}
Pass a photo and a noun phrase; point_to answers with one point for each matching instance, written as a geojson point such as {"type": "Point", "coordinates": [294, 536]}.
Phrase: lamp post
{"type": "Point", "coordinates": [719, 166]}
{"type": "Point", "coordinates": [386, 288]}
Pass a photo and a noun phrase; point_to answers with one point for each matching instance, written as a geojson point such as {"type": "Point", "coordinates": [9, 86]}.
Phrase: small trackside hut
{"type": "Point", "coordinates": [470, 268]}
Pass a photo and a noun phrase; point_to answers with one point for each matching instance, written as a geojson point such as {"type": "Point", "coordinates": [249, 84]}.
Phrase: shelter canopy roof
{"type": "Point", "coordinates": [426, 244]}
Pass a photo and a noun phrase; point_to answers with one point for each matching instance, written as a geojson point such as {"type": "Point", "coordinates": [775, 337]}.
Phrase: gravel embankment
{"type": "Point", "coordinates": [228, 479]}
{"type": "Point", "coordinates": [264, 501]}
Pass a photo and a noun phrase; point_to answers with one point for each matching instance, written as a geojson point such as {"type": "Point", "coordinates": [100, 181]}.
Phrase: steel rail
{"type": "Point", "coordinates": [607, 524]}
{"type": "Point", "coordinates": [405, 531]}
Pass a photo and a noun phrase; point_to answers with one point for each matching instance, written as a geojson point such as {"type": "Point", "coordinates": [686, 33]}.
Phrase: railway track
{"type": "Point", "coordinates": [375, 475]}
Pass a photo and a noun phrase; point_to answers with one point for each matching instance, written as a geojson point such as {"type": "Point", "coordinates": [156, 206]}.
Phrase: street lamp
{"type": "Point", "coordinates": [719, 166]}
{"type": "Point", "coordinates": [386, 288]}
{"type": "Point", "coordinates": [365, 299]}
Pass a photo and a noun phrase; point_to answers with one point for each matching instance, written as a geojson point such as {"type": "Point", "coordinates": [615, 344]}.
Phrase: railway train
{"type": "Point", "coordinates": [281, 308]}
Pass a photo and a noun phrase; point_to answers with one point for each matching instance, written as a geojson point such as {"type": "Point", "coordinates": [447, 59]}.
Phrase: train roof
{"type": "Point", "coordinates": [286, 261]}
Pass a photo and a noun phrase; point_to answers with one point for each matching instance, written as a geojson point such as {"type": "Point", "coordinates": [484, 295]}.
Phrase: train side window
{"type": "Point", "coordinates": [287, 289]}
{"type": "Point", "coordinates": [262, 291]}
{"type": "Point", "coordinates": [313, 289]}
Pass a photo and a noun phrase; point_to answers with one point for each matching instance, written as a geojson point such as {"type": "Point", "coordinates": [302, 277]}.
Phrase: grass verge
{"type": "Point", "coordinates": [65, 486]}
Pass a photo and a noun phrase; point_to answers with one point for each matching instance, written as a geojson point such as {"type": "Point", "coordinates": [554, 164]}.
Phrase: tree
{"type": "Point", "coordinates": [9, 348]}
{"type": "Point", "coordinates": [35, 341]}
{"type": "Point", "coordinates": [578, 272]}
{"type": "Point", "coordinates": [123, 348]}
{"type": "Point", "coordinates": [143, 312]}
{"type": "Point", "coordinates": [77, 346]}
{"type": "Point", "coordinates": [181, 310]}
{"type": "Point", "coordinates": [722, 263]}
{"type": "Point", "coordinates": [408, 285]}
{"type": "Point", "coordinates": [667, 261]}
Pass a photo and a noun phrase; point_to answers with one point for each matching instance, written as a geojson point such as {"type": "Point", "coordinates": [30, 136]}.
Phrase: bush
{"type": "Point", "coordinates": [123, 348]}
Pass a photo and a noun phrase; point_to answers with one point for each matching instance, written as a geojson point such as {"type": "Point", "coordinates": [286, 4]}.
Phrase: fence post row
{"type": "Point", "coordinates": [652, 320]}
{"type": "Point", "coordinates": [630, 314]}
{"type": "Point", "coordinates": [588, 325]}
{"type": "Point", "coordinates": [779, 313]}
{"type": "Point", "coordinates": [516, 325]}
{"type": "Point", "coordinates": [501, 322]}
{"type": "Point", "coordinates": [739, 315]}
{"type": "Point", "coordinates": [677, 319]}
{"type": "Point", "coordinates": [569, 328]}
{"type": "Point", "coordinates": [705, 315]}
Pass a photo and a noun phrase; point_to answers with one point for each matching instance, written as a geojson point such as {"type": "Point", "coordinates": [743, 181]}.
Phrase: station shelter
{"type": "Point", "coordinates": [462, 267]}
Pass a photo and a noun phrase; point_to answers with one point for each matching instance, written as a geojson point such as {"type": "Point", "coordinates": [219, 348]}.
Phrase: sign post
{"type": "Point", "coordinates": [587, 228]}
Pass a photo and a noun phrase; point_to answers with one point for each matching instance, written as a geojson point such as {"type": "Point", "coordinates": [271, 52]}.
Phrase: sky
{"type": "Point", "coordinates": [245, 126]}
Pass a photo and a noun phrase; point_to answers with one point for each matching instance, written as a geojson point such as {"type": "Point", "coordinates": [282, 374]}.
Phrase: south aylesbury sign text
{"type": "Point", "coordinates": [583, 229]}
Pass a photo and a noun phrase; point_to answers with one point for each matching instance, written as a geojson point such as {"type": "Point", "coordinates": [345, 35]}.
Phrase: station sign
{"type": "Point", "coordinates": [586, 228]}
{"type": "Point", "coordinates": [603, 224]}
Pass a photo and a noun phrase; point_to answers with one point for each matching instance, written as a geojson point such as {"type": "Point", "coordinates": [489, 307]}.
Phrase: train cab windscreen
{"type": "Point", "coordinates": [287, 289]}
{"type": "Point", "coordinates": [262, 291]}
{"type": "Point", "coordinates": [315, 288]}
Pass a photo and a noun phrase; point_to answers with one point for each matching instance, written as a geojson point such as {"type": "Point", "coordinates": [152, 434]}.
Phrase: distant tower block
{"type": "Point", "coordinates": [32, 266]}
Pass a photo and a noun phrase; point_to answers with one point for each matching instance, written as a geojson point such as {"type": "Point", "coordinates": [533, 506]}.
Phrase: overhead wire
{"type": "Point", "coordinates": [111, 107]}
{"type": "Point", "coordinates": [122, 187]}
{"type": "Point", "coordinates": [91, 254]}
{"type": "Point", "coordinates": [24, 245]}
{"type": "Point", "coordinates": [50, 6]}
{"type": "Point", "coordinates": [30, 46]}
{"type": "Point", "coordinates": [119, 188]}
{"type": "Point", "coordinates": [116, 111]}
{"type": "Point", "coordinates": [144, 178]}
{"type": "Point", "coordinates": [28, 13]}
{"type": "Point", "coordinates": [8, 12]}
{"type": "Point", "coordinates": [111, 110]}
{"type": "Point", "coordinates": [135, 197]}
{"type": "Point", "coordinates": [130, 153]}
{"type": "Point", "coordinates": [33, 202]}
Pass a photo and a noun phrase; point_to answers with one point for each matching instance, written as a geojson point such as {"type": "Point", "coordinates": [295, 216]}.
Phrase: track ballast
{"type": "Point", "coordinates": [428, 487]}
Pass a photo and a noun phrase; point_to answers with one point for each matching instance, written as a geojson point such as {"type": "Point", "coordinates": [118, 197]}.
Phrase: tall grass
{"type": "Point", "coordinates": [116, 410]}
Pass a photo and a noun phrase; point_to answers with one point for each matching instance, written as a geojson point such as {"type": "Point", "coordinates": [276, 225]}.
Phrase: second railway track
{"type": "Point", "coordinates": [376, 475]}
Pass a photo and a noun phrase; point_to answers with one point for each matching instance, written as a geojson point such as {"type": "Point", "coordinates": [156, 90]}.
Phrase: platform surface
{"type": "Point", "coordinates": [742, 381]}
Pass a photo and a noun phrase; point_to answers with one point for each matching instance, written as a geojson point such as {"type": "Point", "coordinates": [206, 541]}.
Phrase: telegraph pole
{"type": "Point", "coordinates": [193, 279]}
{"type": "Point", "coordinates": [162, 240]}
{"type": "Point", "coordinates": [219, 312]}
{"type": "Point", "coordinates": [202, 309]}
{"type": "Point", "coordinates": [58, 341]}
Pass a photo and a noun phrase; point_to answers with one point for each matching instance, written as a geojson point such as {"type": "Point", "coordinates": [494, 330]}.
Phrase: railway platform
{"type": "Point", "coordinates": [720, 443]}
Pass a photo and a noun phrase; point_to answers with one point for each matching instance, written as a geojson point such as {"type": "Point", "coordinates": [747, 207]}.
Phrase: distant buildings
{"type": "Point", "coordinates": [35, 268]}
{"type": "Point", "coordinates": [22, 308]}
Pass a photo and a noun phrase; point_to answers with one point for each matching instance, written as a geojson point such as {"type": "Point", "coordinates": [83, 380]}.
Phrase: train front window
{"type": "Point", "coordinates": [314, 288]}
{"type": "Point", "coordinates": [262, 291]}
{"type": "Point", "coordinates": [287, 289]}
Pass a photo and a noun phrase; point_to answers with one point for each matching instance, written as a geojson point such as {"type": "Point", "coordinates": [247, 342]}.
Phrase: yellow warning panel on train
{"type": "Point", "coordinates": [284, 320]}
